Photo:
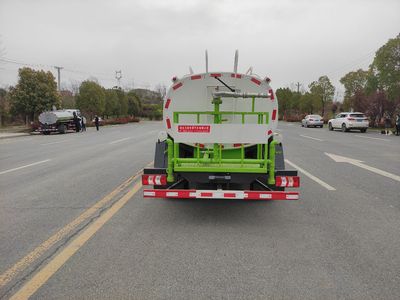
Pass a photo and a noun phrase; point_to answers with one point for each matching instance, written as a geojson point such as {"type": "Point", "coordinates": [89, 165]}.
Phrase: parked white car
{"type": "Point", "coordinates": [349, 120]}
{"type": "Point", "coordinates": [312, 120]}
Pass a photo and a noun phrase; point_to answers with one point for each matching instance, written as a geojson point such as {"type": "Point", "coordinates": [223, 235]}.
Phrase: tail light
{"type": "Point", "coordinates": [351, 119]}
{"type": "Point", "coordinates": [154, 179]}
{"type": "Point", "coordinates": [287, 181]}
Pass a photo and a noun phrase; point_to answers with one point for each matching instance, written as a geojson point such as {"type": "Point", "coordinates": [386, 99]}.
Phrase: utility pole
{"type": "Point", "coordinates": [118, 76]}
{"type": "Point", "coordinates": [59, 76]}
{"type": "Point", "coordinates": [298, 87]}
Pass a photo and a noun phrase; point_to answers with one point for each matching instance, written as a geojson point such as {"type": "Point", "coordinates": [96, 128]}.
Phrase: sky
{"type": "Point", "coordinates": [289, 41]}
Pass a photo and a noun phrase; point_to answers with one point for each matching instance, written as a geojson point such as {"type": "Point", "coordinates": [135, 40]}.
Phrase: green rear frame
{"type": "Point", "coordinates": [222, 160]}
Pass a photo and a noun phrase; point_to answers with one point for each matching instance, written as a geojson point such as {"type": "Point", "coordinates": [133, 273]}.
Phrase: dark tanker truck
{"type": "Point", "coordinates": [60, 121]}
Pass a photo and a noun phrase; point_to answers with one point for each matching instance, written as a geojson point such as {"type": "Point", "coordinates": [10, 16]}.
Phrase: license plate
{"type": "Point", "coordinates": [359, 120]}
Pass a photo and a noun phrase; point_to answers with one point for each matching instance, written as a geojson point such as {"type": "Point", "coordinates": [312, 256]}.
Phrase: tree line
{"type": "Point", "coordinates": [375, 92]}
{"type": "Point", "coordinates": [36, 91]}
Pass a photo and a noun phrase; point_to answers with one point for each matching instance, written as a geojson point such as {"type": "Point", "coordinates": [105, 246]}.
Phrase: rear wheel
{"type": "Point", "coordinates": [344, 128]}
{"type": "Point", "coordinates": [363, 130]}
{"type": "Point", "coordinates": [330, 127]}
{"type": "Point", "coordinates": [62, 128]}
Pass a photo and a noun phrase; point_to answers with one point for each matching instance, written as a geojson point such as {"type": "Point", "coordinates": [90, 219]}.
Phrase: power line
{"type": "Point", "coordinates": [16, 62]}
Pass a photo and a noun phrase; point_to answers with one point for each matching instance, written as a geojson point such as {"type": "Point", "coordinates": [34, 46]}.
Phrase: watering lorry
{"type": "Point", "coordinates": [219, 141]}
{"type": "Point", "coordinates": [58, 121]}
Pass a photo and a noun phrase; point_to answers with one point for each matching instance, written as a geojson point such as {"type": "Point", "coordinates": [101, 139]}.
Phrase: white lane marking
{"type": "Point", "coordinates": [372, 138]}
{"type": "Point", "coordinates": [310, 137]}
{"type": "Point", "coordinates": [359, 163]}
{"type": "Point", "coordinates": [52, 143]}
{"type": "Point", "coordinates": [26, 166]}
{"type": "Point", "coordinates": [309, 175]}
{"type": "Point", "coordinates": [121, 140]}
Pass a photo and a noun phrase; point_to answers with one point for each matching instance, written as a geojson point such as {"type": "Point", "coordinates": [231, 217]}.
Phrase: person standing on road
{"type": "Point", "coordinates": [388, 124]}
{"type": "Point", "coordinates": [83, 121]}
{"type": "Point", "coordinates": [398, 124]}
{"type": "Point", "coordinates": [97, 122]}
{"type": "Point", "coordinates": [77, 122]}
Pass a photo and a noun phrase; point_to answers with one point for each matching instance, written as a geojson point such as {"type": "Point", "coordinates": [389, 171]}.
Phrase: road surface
{"type": "Point", "coordinates": [73, 223]}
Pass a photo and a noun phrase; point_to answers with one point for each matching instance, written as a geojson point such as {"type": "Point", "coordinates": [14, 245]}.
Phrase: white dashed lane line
{"type": "Point", "coordinates": [312, 177]}
{"type": "Point", "coordinates": [310, 137]}
{"type": "Point", "coordinates": [23, 167]}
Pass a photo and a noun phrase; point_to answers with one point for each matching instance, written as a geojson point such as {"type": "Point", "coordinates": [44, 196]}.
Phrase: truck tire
{"type": "Point", "coordinates": [62, 128]}
{"type": "Point", "coordinates": [330, 127]}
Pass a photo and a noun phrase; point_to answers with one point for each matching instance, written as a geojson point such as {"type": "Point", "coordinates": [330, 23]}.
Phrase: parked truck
{"type": "Point", "coordinates": [58, 121]}
{"type": "Point", "coordinates": [220, 141]}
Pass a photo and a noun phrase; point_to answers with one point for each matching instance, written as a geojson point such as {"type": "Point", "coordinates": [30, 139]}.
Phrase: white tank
{"type": "Point", "coordinates": [195, 92]}
{"type": "Point", "coordinates": [52, 117]}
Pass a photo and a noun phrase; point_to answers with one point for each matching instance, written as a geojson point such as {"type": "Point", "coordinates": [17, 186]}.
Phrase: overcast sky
{"type": "Point", "coordinates": [151, 41]}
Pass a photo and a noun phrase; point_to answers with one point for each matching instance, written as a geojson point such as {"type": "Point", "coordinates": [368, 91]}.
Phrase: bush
{"type": "Point", "coordinates": [122, 120]}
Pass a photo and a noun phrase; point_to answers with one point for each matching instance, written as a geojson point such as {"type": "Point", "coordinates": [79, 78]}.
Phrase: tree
{"type": "Point", "coordinates": [134, 104]}
{"type": "Point", "coordinates": [36, 91]}
{"type": "Point", "coordinates": [285, 96]}
{"type": "Point", "coordinates": [4, 105]}
{"type": "Point", "coordinates": [67, 99]}
{"type": "Point", "coordinates": [91, 98]}
{"type": "Point", "coordinates": [386, 68]}
{"type": "Point", "coordinates": [354, 83]}
{"type": "Point", "coordinates": [324, 90]}
{"type": "Point", "coordinates": [309, 103]}
{"type": "Point", "coordinates": [111, 106]}
{"type": "Point", "coordinates": [161, 91]}
{"type": "Point", "coordinates": [122, 102]}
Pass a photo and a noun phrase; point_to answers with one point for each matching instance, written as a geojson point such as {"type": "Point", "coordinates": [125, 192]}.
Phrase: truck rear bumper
{"type": "Point", "coordinates": [220, 194]}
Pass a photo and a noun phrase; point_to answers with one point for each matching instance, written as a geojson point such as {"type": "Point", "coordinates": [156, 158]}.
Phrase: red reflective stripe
{"type": "Point", "coordinates": [274, 115]}
{"type": "Point", "coordinates": [249, 195]}
{"type": "Point", "coordinates": [253, 195]}
{"type": "Point", "coordinates": [154, 179]}
{"type": "Point", "coordinates": [256, 81]}
{"type": "Point", "coordinates": [296, 181]}
{"type": "Point", "coordinates": [168, 123]}
{"type": "Point", "coordinates": [215, 75]}
{"type": "Point", "coordinates": [271, 94]}
{"type": "Point", "coordinates": [167, 103]}
{"type": "Point", "coordinates": [206, 194]}
{"type": "Point", "coordinates": [177, 86]}
{"type": "Point", "coordinates": [194, 77]}
{"type": "Point", "coordinates": [269, 132]}
{"type": "Point", "coordinates": [230, 195]}
{"type": "Point", "coordinates": [287, 181]}
{"type": "Point", "coordinates": [237, 145]}
{"type": "Point", "coordinates": [163, 193]}
{"type": "Point", "coordinates": [236, 75]}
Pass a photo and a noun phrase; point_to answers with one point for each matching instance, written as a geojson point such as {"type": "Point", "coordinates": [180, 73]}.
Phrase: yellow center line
{"type": "Point", "coordinates": [27, 260]}
{"type": "Point", "coordinates": [60, 259]}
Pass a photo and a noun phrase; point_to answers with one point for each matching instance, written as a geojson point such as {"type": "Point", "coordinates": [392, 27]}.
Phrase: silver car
{"type": "Point", "coordinates": [312, 120]}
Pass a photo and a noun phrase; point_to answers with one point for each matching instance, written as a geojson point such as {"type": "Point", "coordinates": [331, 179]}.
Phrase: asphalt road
{"type": "Point", "coordinates": [341, 240]}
